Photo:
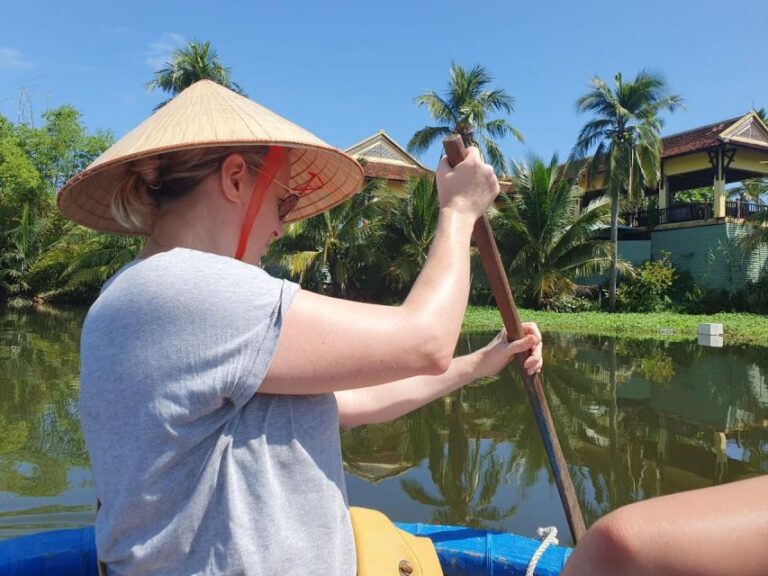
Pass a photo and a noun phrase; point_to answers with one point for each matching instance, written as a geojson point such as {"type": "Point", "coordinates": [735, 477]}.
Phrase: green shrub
{"type": "Point", "coordinates": [693, 299]}
{"type": "Point", "coordinates": [756, 296]}
{"type": "Point", "coordinates": [650, 289]}
{"type": "Point", "coordinates": [699, 300]}
{"type": "Point", "coordinates": [568, 303]}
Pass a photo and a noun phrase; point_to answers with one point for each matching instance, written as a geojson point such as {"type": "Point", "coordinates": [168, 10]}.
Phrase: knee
{"type": "Point", "coordinates": [616, 540]}
{"type": "Point", "coordinates": [608, 547]}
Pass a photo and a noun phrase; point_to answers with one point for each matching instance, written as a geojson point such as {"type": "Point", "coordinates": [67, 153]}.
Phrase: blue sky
{"type": "Point", "coordinates": [345, 70]}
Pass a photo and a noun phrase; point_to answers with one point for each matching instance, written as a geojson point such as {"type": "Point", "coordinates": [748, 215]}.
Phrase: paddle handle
{"type": "Point", "coordinates": [494, 270]}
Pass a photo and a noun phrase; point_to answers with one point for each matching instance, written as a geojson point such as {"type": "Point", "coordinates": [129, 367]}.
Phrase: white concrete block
{"type": "Point", "coordinates": [711, 329]}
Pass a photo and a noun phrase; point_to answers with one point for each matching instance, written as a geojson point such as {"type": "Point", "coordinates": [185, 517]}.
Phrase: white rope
{"type": "Point", "coordinates": [548, 536]}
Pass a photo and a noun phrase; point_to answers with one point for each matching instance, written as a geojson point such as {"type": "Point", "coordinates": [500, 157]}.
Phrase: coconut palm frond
{"type": "Point", "coordinates": [438, 108]}
{"type": "Point", "coordinates": [424, 138]}
{"type": "Point", "coordinates": [494, 155]}
{"type": "Point", "coordinates": [465, 110]}
{"type": "Point", "coordinates": [549, 242]}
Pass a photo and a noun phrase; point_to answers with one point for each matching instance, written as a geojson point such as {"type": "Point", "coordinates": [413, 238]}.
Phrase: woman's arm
{"type": "Point", "coordinates": [389, 401]}
{"type": "Point", "coordinates": [328, 344]}
{"type": "Point", "coordinates": [718, 531]}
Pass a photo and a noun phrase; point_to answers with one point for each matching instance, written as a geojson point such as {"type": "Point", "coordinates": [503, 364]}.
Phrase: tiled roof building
{"type": "Point", "coordinates": [384, 158]}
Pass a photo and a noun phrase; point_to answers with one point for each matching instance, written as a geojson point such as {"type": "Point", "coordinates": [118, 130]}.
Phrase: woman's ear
{"type": "Point", "coordinates": [234, 176]}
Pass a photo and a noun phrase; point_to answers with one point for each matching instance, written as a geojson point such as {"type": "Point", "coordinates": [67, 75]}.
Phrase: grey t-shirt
{"type": "Point", "coordinates": [197, 472]}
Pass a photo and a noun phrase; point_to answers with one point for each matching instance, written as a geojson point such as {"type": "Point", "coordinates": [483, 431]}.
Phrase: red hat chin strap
{"type": "Point", "coordinates": [269, 167]}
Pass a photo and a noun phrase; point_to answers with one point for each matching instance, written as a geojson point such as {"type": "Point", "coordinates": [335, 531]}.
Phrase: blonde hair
{"type": "Point", "coordinates": [151, 182]}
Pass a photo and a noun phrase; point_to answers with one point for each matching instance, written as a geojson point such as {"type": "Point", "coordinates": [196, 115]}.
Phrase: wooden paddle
{"type": "Point", "coordinates": [494, 269]}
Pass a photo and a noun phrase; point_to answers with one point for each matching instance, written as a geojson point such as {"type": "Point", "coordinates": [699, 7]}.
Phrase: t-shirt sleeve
{"type": "Point", "coordinates": [269, 302]}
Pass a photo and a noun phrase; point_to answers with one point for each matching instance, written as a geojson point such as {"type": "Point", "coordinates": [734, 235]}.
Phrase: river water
{"type": "Point", "coordinates": [636, 419]}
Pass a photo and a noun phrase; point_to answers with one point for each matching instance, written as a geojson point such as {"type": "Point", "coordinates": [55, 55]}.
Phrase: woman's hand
{"type": "Point", "coordinates": [469, 187]}
{"type": "Point", "coordinates": [388, 401]}
{"type": "Point", "coordinates": [498, 352]}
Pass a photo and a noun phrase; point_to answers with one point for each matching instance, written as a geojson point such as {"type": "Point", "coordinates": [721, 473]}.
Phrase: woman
{"type": "Point", "coordinates": [212, 393]}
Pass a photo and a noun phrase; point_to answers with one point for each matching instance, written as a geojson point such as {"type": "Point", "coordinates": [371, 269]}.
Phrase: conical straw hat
{"type": "Point", "coordinates": [204, 115]}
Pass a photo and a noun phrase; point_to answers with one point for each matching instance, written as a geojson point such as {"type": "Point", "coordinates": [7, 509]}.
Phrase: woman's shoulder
{"type": "Point", "coordinates": [181, 264]}
{"type": "Point", "coordinates": [188, 286]}
{"type": "Point", "coordinates": [214, 268]}
{"type": "Point", "coordinates": [187, 274]}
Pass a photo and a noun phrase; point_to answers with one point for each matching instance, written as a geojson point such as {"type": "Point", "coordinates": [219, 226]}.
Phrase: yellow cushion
{"type": "Point", "coordinates": [383, 549]}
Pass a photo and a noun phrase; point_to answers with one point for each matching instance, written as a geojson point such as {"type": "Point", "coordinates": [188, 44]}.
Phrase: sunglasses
{"type": "Point", "coordinates": [285, 204]}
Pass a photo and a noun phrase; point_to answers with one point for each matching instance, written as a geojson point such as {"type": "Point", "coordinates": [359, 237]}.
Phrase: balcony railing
{"type": "Point", "coordinates": [737, 209]}
{"type": "Point", "coordinates": [686, 213]}
{"type": "Point", "coordinates": [689, 213]}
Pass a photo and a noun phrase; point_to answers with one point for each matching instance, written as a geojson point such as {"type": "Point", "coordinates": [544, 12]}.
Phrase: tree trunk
{"type": "Point", "coordinates": [631, 167]}
{"type": "Point", "coordinates": [614, 498]}
{"type": "Point", "coordinates": [614, 252]}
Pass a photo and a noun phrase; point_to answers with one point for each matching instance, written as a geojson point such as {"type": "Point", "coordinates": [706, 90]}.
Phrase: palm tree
{"type": "Point", "coordinates": [197, 61]}
{"type": "Point", "coordinates": [99, 257]}
{"type": "Point", "coordinates": [408, 230]}
{"type": "Point", "coordinates": [21, 245]}
{"type": "Point", "coordinates": [624, 134]}
{"type": "Point", "coordinates": [465, 109]}
{"type": "Point", "coordinates": [82, 260]}
{"type": "Point", "coordinates": [752, 190]}
{"type": "Point", "coordinates": [547, 242]}
{"type": "Point", "coordinates": [331, 252]}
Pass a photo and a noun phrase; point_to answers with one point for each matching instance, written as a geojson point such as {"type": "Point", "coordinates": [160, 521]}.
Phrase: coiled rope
{"type": "Point", "coordinates": [548, 536]}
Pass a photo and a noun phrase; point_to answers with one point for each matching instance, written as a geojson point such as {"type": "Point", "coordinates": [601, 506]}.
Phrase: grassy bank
{"type": "Point", "coordinates": [739, 328]}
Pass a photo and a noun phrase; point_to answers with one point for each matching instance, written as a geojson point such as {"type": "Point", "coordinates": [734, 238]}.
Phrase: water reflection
{"type": "Point", "coordinates": [635, 418]}
{"type": "Point", "coordinates": [44, 478]}
{"type": "Point", "coordinates": [669, 418]}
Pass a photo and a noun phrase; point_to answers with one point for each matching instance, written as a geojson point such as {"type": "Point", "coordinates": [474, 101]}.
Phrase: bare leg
{"type": "Point", "coordinates": [715, 531]}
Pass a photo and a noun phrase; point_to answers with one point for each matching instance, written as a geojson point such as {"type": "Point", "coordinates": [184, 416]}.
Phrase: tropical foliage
{"type": "Point", "coordinates": [82, 260]}
{"type": "Point", "coordinates": [757, 232]}
{"type": "Point", "coordinates": [34, 163]}
{"type": "Point", "coordinates": [407, 232]}
{"type": "Point", "coordinates": [41, 255]}
{"type": "Point", "coordinates": [703, 195]}
{"type": "Point", "coordinates": [751, 190]}
{"type": "Point", "coordinates": [624, 137]}
{"type": "Point", "coordinates": [465, 109]}
{"type": "Point", "coordinates": [196, 61]}
{"type": "Point", "coordinates": [373, 246]}
{"type": "Point", "coordinates": [370, 247]}
{"type": "Point", "coordinates": [330, 252]}
{"type": "Point", "coordinates": [548, 242]}
{"type": "Point", "coordinates": [649, 289]}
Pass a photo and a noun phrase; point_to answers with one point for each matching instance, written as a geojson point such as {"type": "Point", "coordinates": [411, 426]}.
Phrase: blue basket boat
{"type": "Point", "coordinates": [462, 552]}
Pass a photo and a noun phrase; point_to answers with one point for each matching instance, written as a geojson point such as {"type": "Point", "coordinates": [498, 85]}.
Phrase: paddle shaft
{"type": "Point", "coordinates": [494, 270]}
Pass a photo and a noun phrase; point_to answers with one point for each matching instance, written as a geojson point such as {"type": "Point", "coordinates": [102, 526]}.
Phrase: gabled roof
{"type": "Point", "coordinates": [695, 140]}
{"type": "Point", "coordinates": [380, 147]}
{"type": "Point", "coordinates": [382, 157]}
{"type": "Point", "coordinates": [748, 130]}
